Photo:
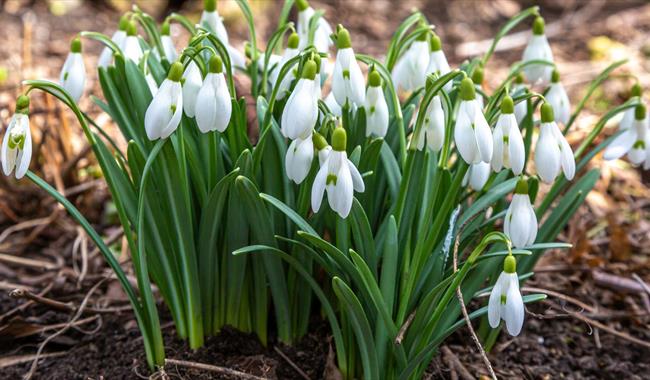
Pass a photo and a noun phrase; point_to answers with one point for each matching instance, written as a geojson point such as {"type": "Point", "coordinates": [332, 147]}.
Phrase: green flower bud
{"type": "Point", "coordinates": [507, 105]}
{"type": "Point", "coordinates": [164, 28]}
{"type": "Point", "coordinates": [293, 41]}
{"type": "Point", "coordinates": [75, 45]}
{"type": "Point", "coordinates": [317, 60]}
{"type": "Point", "coordinates": [547, 113]}
{"type": "Point", "coordinates": [339, 139]}
{"type": "Point", "coordinates": [22, 104]}
{"type": "Point", "coordinates": [374, 79]}
{"type": "Point", "coordinates": [216, 65]}
{"type": "Point", "coordinates": [302, 5]}
{"type": "Point", "coordinates": [639, 112]}
{"type": "Point", "coordinates": [319, 141]}
{"type": "Point", "coordinates": [124, 23]}
{"type": "Point", "coordinates": [477, 75]}
{"type": "Point", "coordinates": [510, 264]}
{"type": "Point", "coordinates": [636, 90]}
{"type": "Point", "coordinates": [309, 71]}
{"type": "Point", "coordinates": [519, 79]}
{"type": "Point", "coordinates": [434, 43]}
{"type": "Point", "coordinates": [555, 76]}
{"type": "Point", "coordinates": [175, 72]}
{"type": "Point", "coordinates": [467, 90]}
{"type": "Point", "coordinates": [210, 5]}
{"type": "Point", "coordinates": [538, 26]}
{"type": "Point", "coordinates": [522, 187]}
{"type": "Point", "coordinates": [131, 29]}
{"type": "Point", "coordinates": [342, 38]}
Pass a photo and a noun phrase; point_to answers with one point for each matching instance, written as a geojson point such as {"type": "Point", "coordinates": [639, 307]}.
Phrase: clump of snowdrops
{"type": "Point", "coordinates": [407, 181]}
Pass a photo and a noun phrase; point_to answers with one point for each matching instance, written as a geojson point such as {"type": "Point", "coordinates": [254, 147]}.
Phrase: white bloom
{"type": "Point", "coordinates": [301, 110]}
{"type": "Point", "coordinates": [347, 79]}
{"type": "Point", "coordinates": [169, 48]}
{"type": "Point", "coordinates": [106, 57]}
{"type": "Point", "coordinates": [411, 69]}
{"type": "Point", "coordinates": [339, 177]}
{"type": "Point", "coordinates": [151, 83]}
{"type": "Point", "coordinates": [477, 176]}
{"type": "Point", "coordinates": [521, 108]}
{"type": "Point", "coordinates": [433, 129]}
{"type": "Point", "coordinates": [438, 61]}
{"type": "Point", "coordinates": [298, 159]}
{"type": "Point", "coordinates": [472, 134]}
{"type": "Point", "coordinates": [558, 98]}
{"type": "Point", "coordinates": [553, 153]}
{"type": "Point", "coordinates": [376, 107]}
{"type": "Point", "coordinates": [73, 73]}
{"type": "Point", "coordinates": [213, 103]}
{"type": "Point", "coordinates": [16, 150]}
{"type": "Point", "coordinates": [191, 87]}
{"type": "Point", "coordinates": [165, 110]}
{"type": "Point", "coordinates": [634, 140]}
{"type": "Point", "coordinates": [505, 300]}
{"type": "Point", "coordinates": [334, 107]}
{"type": "Point", "coordinates": [520, 223]}
{"type": "Point", "coordinates": [132, 49]}
{"type": "Point", "coordinates": [211, 20]}
{"type": "Point", "coordinates": [322, 40]}
{"type": "Point", "coordinates": [538, 49]}
{"type": "Point", "coordinates": [508, 143]}
{"type": "Point", "coordinates": [290, 52]}
{"type": "Point", "coordinates": [323, 154]}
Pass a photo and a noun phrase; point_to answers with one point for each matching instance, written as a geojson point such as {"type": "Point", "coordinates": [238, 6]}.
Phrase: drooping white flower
{"type": "Point", "coordinates": [472, 133]}
{"type": "Point", "coordinates": [166, 109]}
{"type": "Point", "coordinates": [301, 110]}
{"type": "Point", "coordinates": [633, 141]}
{"type": "Point", "coordinates": [508, 143]}
{"type": "Point", "coordinates": [433, 128]}
{"type": "Point", "coordinates": [298, 159]}
{"type": "Point", "coordinates": [477, 176]}
{"type": "Point", "coordinates": [213, 22]}
{"type": "Point", "coordinates": [151, 83]}
{"type": "Point", "coordinates": [505, 299]}
{"type": "Point", "coordinates": [191, 86]}
{"type": "Point", "coordinates": [438, 61]}
{"type": "Point", "coordinates": [167, 44]}
{"type": "Point", "coordinates": [558, 98]}
{"type": "Point", "coordinates": [628, 114]}
{"type": "Point", "coordinates": [132, 49]}
{"type": "Point", "coordinates": [410, 70]}
{"type": "Point", "coordinates": [521, 108]}
{"type": "Point", "coordinates": [16, 150]}
{"type": "Point", "coordinates": [338, 176]}
{"type": "Point", "coordinates": [213, 103]}
{"type": "Point", "coordinates": [290, 52]}
{"type": "Point", "coordinates": [376, 107]}
{"type": "Point", "coordinates": [347, 79]}
{"type": "Point", "coordinates": [553, 153]}
{"type": "Point", "coordinates": [106, 57]}
{"type": "Point", "coordinates": [520, 223]}
{"type": "Point", "coordinates": [73, 73]}
{"type": "Point", "coordinates": [322, 40]}
{"type": "Point", "coordinates": [538, 49]}
{"type": "Point", "coordinates": [334, 107]}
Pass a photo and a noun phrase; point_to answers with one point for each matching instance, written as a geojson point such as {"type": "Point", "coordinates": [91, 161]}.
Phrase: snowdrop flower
{"type": "Point", "coordinates": [410, 70]}
{"type": "Point", "coordinates": [338, 176]}
{"type": "Point", "coordinates": [168, 45]}
{"type": "Point", "coordinates": [298, 159]}
{"type": "Point", "coordinates": [553, 153]}
{"type": "Point", "coordinates": [505, 299]}
{"type": "Point", "coordinates": [213, 103]}
{"type": "Point", "coordinates": [290, 52]}
{"type": "Point", "coordinates": [557, 97]}
{"type": "Point", "coordinates": [520, 224]}
{"type": "Point", "coordinates": [73, 73]}
{"type": "Point", "coordinates": [213, 22]}
{"type": "Point", "coordinates": [472, 134]}
{"type": "Point", "coordinates": [628, 115]}
{"type": "Point", "coordinates": [334, 107]}
{"type": "Point", "coordinates": [538, 49]}
{"type": "Point", "coordinates": [301, 110]}
{"type": "Point", "coordinates": [322, 40]}
{"type": "Point", "coordinates": [16, 150]}
{"type": "Point", "coordinates": [132, 49]}
{"type": "Point", "coordinates": [191, 86]}
{"type": "Point", "coordinates": [347, 79]}
{"type": "Point", "coordinates": [633, 141]}
{"type": "Point", "coordinates": [165, 110]}
{"type": "Point", "coordinates": [376, 107]}
{"type": "Point", "coordinates": [521, 108]}
{"type": "Point", "coordinates": [477, 78]}
{"type": "Point", "coordinates": [477, 176]}
{"type": "Point", "coordinates": [438, 61]}
{"type": "Point", "coordinates": [151, 81]}
{"type": "Point", "coordinates": [118, 38]}
{"type": "Point", "coordinates": [433, 128]}
{"type": "Point", "coordinates": [508, 143]}
{"type": "Point", "coordinates": [322, 147]}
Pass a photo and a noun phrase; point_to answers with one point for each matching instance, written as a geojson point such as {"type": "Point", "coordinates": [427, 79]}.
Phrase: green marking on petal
{"type": "Point", "coordinates": [506, 139]}
{"type": "Point", "coordinates": [65, 76]}
{"type": "Point", "coordinates": [331, 179]}
{"type": "Point", "coordinates": [173, 108]}
{"type": "Point", "coordinates": [16, 141]}
{"type": "Point", "coordinates": [372, 109]}
{"type": "Point", "coordinates": [503, 299]}
{"type": "Point", "coordinates": [639, 144]}
{"type": "Point", "coordinates": [346, 74]}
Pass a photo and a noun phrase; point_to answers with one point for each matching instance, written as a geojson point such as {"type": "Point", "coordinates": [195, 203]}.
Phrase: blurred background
{"type": "Point", "coordinates": [607, 270]}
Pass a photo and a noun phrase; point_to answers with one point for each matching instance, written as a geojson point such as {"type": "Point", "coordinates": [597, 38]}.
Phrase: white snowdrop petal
{"type": "Point", "coordinates": [318, 188]}
{"type": "Point", "coordinates": [621, 145]}
{"type": "Point", "coordinates": [514, 308]}
{"type": "Point", "coordinates": [517, 150]}
{"type": "Point", "coordinates": [547, 155]}
{"type": "Point", "coordinates": [25, 155]}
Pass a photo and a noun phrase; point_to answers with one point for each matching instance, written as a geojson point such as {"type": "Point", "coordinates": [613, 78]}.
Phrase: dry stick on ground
{"type": "Point", "coordinates": [213, 368]}
{"type": "Point", "coordinates": [291, 363]}
{"type": "Point", "coordinates": [64, 306]}
{"type": "Point", "coordinates": [65, 328]}
{"type": "Point", "coordinates": [454, 363]}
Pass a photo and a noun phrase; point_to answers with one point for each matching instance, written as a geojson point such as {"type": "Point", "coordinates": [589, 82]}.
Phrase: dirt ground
{"type": "Point", "coordinates": [595, 325]}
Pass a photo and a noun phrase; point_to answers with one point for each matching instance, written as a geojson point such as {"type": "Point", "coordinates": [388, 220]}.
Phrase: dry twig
{"type": "Point", "coordinates": [291, 363]}
{"type": "Point", "coordinates": [213, 368]}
